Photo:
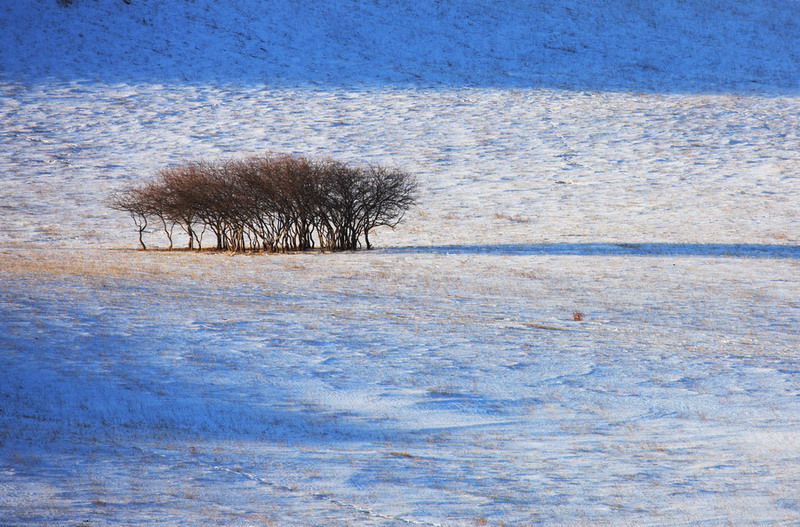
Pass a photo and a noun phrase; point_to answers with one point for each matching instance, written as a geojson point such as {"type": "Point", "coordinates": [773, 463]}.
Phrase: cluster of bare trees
{"type": "Point", "coordinates": [271, 203]}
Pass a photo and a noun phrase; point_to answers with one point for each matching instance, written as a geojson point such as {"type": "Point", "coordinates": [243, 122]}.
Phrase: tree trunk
{"type": "Point", "coordinates": [141, 234]}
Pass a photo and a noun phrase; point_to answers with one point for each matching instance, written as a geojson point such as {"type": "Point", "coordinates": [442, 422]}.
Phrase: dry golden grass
{"type": "Point", "coordinates": [51, 264]}
{"type": "Point", "coordinates": [54, 263]}
{"type": "Point", "coordinates": [400, 454]}
{"type": "Point", "coordinates": [534, 325]}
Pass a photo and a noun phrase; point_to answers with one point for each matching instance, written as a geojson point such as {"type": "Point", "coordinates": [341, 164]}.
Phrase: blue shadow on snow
{"type": "Point", "coordinates": [672, 46]}
{"type": "Point", "coordinates": [710, 250]}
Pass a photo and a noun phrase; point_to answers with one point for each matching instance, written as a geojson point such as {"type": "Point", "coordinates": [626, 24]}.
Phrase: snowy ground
{"type": "Point", "coordinates": [439, 379]}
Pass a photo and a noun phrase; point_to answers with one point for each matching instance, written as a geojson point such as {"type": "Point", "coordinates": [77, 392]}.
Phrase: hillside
{"type": "Point", "coordinates": [670, 46]}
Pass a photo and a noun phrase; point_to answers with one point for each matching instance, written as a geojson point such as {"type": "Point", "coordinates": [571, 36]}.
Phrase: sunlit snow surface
{"type": "Point", "coordinates": [439, 379]}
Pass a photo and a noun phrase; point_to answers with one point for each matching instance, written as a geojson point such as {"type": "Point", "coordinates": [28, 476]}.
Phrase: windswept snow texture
{"type": "Point", "coordinates": [635, 162]}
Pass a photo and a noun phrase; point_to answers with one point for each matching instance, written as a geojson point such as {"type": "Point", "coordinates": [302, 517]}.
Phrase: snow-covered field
{"type": "Point", "coordinates": [439, 379]}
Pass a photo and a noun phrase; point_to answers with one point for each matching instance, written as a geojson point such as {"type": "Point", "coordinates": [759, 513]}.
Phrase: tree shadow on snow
{"type": "Point", "coordinates": [708, 250]}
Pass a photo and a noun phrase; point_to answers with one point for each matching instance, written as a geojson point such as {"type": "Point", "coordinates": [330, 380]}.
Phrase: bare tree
{"type": "Point", "coordinates": [272, 202]}
{"type": "Point", "coordinates": [134, 201]}
{"type": "Point", "coordinates": [387, 196]}
{"type": "Point", "coordinates": [179, 187]}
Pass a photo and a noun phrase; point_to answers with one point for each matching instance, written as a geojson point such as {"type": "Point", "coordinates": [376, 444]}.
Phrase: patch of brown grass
{"type": "Point", "coordinates": [541, 326]}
